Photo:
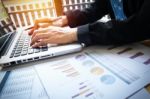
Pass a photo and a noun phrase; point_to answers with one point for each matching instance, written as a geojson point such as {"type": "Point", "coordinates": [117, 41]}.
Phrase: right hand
{"type": "Point", "coordinates": [53, 35]}
{"type": "Point", "coordinates": [45, 22]}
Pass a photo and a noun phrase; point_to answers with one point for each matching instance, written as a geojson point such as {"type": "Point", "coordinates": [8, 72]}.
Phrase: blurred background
{"type": "Point", "coordinates": [24, 12]}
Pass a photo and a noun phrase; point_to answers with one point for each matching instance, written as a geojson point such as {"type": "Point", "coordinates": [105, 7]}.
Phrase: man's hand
{"type": "Point", "coordinates": [53, 35]}
{"type": "Point", "coordinates": [45, 22]}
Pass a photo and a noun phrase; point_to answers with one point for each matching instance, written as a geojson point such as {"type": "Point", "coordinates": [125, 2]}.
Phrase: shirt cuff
{"type": "Point", "coordinates": [83, 35]}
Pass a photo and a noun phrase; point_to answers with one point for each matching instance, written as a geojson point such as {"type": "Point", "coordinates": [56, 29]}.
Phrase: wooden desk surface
{"type": "Point", "coordinates": [147, 43]}
{"type": "Point", "coordinates": [148, 88]}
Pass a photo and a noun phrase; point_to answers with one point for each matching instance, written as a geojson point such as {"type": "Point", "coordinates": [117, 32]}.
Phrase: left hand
{"type": "Point", "coordinates": [45, 22]}
{"type": "Point", "coordinates": [53, 35]}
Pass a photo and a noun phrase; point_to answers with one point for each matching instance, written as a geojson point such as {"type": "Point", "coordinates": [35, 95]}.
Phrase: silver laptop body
{"type": "Point", "coordinates": [15, 48]}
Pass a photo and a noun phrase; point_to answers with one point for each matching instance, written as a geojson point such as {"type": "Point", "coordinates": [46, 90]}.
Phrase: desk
{"type": "Point", "coordinates": [147, 43]}
{"type": "Point", "coordinates": [148, 88]}
{"type": "Point", "coordinates": [28, 77]}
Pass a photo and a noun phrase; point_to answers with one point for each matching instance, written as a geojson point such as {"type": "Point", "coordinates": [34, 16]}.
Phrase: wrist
{"type": "Point", "coordinates": [65, 20]}
{"type": "Point", "coordinates": [73, 35]}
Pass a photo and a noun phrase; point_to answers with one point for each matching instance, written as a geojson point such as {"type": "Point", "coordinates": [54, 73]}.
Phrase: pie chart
{"type": "Point", "coordinates": [107, 79]}
{"type": "Point", "coordinates": [88, 63]}
{"type": "Point", "coordinates": [97, 71]}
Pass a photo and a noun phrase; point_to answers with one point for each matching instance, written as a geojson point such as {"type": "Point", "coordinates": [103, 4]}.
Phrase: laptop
{"type": "Point", "coordinates": [15, 44]}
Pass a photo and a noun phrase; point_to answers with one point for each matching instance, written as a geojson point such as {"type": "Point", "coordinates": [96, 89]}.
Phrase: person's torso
{"type": "Point", "coordinates": [130, 7]}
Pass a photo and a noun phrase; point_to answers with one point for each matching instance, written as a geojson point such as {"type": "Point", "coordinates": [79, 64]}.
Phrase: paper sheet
{"type": "Point", "coordinates": [95, 74]}
{"type": "Point", "coordinates": [23, 84]}
{"type": "Point", "coordinates": [142, 94]}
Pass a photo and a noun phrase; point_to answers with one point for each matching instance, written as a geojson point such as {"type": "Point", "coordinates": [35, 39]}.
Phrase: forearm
{"type": "Point", "coordinates": [112, 32]}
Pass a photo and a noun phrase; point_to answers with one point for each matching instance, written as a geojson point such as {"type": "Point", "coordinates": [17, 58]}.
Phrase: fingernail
{"type": "Point", "coordinates": [33, 46]}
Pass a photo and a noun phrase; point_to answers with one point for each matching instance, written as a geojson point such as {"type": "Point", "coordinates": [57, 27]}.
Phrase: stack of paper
{"type": "Point", "coordinates": [97, 73]}
{"type": "Point", "coordinates": [108, 72]}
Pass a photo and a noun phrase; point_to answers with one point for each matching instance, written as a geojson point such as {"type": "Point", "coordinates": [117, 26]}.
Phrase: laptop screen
{"type": "Point", "coordinates": [6, 25]}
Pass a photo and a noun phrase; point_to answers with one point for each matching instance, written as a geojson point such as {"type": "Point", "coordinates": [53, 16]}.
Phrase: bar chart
{"type": "Point", "coordinates": [86, 90]}
{"type": "Point", "coordinates": [124, 50]}
{"type": "Point", "coordinates": [135, 53]}
{"type": "Point", "coordinates": [66, 69]}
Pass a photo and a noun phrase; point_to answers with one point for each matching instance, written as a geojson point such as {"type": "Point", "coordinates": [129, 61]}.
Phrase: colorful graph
{"type": "Point", "coordinates": [86, 90]}
{"type": "Point", "coordinates": [66, 69]}
{"type": "Point", "coordinates": [147, 62]}
{"type": "Point", "coordinates": [121, 72]}
{"type": "Point", "coordinates": [134, 53]}
{"type": "Point", "coordinates": [124, 50]}
{"type": "Point", "coordinates": [88, 63]}
{"type": "Point", "coordinates": [138, 54]}
{"type": "Point", "coordinates": [97, 71]}
{"type": "Point", "coordinates": [113, 47]}
{"type": "Point", "coordinates": [107, 79]}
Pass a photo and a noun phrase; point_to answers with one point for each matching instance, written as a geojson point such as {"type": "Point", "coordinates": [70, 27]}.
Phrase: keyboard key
{"type": "Point", "coordinates": [36, 50]}
{"type": "Point", "coordinates": [11, 56]}
{"type": "Point", "coordinates": [23, 53]}
{"type": "Point", "coordinates": [23, 47]}
{"type": "Point", "coordinates": [30, 51]}
{"type": "Point", "coordinates": [44, 48]}
{"type": "Point", "coordinates": [18, 52]}
{"type": "Point", "coordinates": [16, 55]}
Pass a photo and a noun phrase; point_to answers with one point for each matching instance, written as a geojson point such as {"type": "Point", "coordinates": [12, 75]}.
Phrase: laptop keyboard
{"type": "Point", "coordinates": [23, 47]}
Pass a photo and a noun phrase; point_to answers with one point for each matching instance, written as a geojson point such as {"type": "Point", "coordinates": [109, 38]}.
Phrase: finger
{"type": "Point", "coordinates": [44, 25]}
{"type": "Point", "coordinates": [42, 30]}
{"type": "Point", "coordinates": [41, 43]}
{"type": "Point", "coordinates": [43, 20]}
{"type": "Point", "coordinates": [57, 23]}
{"type": "Point", "coordinates": [31, 31]}
{"type": "Point", "coordinates": [39, 37]}
{"type": "Point", "coordinates": [36, 26]}
{"type": "Point", "coordinates": [46, 20]}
